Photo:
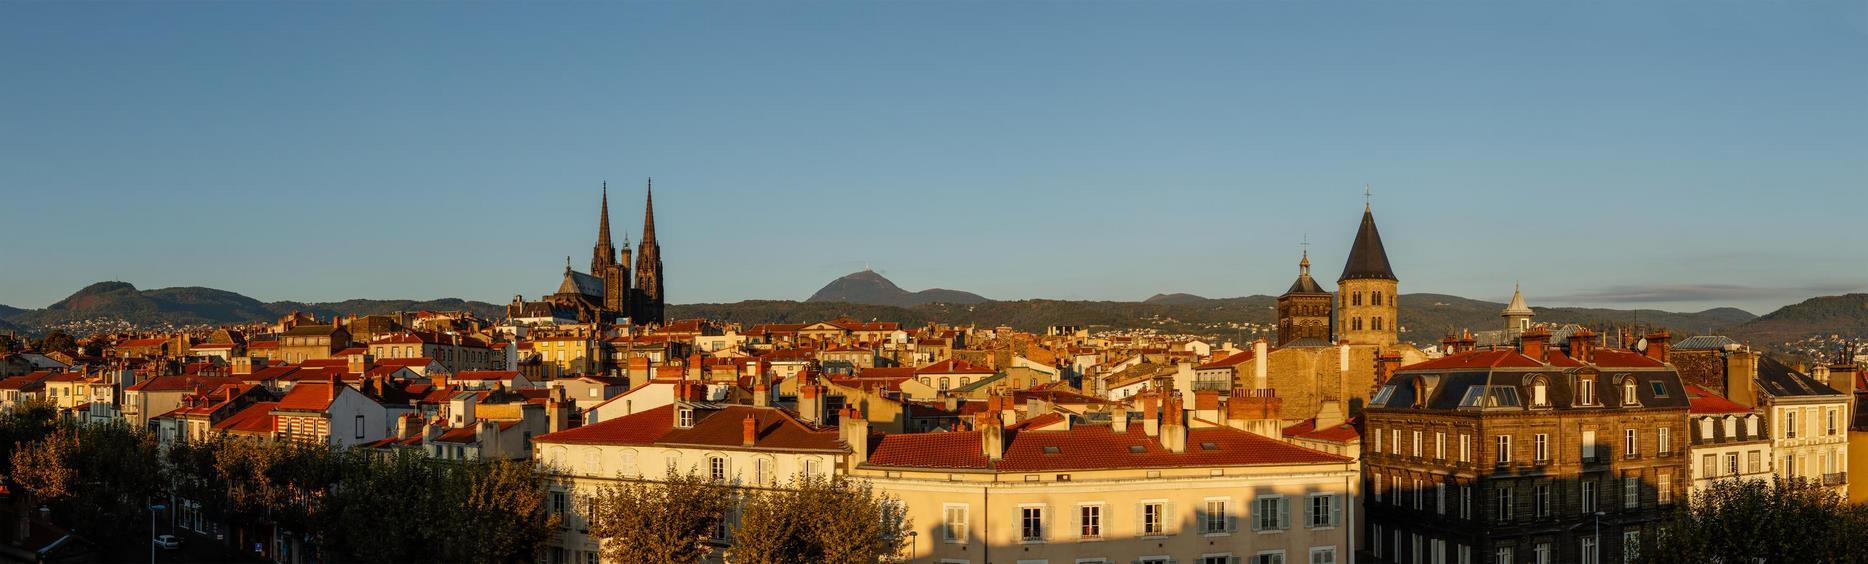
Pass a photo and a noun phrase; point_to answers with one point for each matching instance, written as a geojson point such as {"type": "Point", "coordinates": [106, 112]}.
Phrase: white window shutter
{"type": "Point", "coordinates": [1310, 510]}
{"type": "Point", "coordinates": [1336, 510]}
{"type": "Point", "coordinates": [1169, 524]}
{"type": "Point", "coordinates": [1251, 515]}
{"type": "Point", "coordinates": [1232, 518]}
{"type": "Point", "coordinates": [1141, 520]}
{"type": "Point", "coordinates": [1199, 519]}
{"type": "Point", "coordinates": [1284, 513]}
{"type": "Point", "coordinates": [1076, 523]}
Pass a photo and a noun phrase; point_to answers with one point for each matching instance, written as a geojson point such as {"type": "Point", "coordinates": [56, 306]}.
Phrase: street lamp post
{"type": "Point", "coordinates": [153, 508]}
{"type": "Point", "coordinates": [913, 551]}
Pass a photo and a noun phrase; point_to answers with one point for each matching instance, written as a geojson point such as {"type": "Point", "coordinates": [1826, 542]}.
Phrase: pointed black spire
{"type": "Point", "coordinates": [603, 254]}
{"type": "Point", "coordinates": [1367, 258]}
{"type": "Point", "coordinates": [648, 216]}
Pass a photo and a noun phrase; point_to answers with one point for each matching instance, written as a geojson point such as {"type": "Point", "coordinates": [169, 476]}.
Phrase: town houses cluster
{"type": "Point", "coordinates": [1336, 441]}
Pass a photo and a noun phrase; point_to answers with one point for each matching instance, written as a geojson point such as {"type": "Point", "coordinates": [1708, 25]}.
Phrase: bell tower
{"type": "Point", "coordinates": [1367, 302]}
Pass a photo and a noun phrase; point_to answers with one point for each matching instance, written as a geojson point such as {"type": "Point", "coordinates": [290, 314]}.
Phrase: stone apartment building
{"type": "Point", "coordinates": [1530, 455]}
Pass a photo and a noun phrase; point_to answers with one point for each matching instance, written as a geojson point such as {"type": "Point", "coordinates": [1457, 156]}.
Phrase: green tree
{"type": "Point", "coordinates": [496, 511]}
{"type": "Point", "coordinates": [93, 478]}
{"type": "Point", "coordinates": [1782, 520]}
{"type": "Point", "coordinates": [817, 519]}
{"type": "Point", "coordinates": [56, 341]}
{"type": "Point", "coordinates": [661, 522]}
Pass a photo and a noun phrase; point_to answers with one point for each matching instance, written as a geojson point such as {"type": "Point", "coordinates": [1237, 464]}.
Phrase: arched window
{"type": "Point", "coordinates": [1540, 391]}
{"type": "Point", "coordinates": [963, 380]}
{"type": "Point", "coordinates": [716, 468]}
{"type": "Point", "coordinates": [1375, 298]}
{"type": "Point", "coordinates": [1357, 299]}
{"type": "Point", "coordinates": [1628, 391]}
{"type": "Point", "coordinates": [1376, 323]}
{"type": "Point", "coordinates": [944, 382]}
{"type": "Point", "coordinates": [1358, 324]}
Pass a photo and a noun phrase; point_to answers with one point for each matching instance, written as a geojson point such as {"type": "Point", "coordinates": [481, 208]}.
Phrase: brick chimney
{"type": "Point", "coordinates": [1386, 364]}
{"type": "Point", "coordinates": [1174, 425]}
{"type": "Point", "coordinates": [991, 435]}
{"type": "Point", "coordinates": [855, 430]}
{"type": "Point", "coordinates": [1660, 346]}
{"type": "Point", "coordinates": [1535, 343]}
{"type": "Point", "coordinates": [1582, 346]}
{"type": "Point", "coordinates": [811, 401]}
{"type": "Point", "coordinates": [1151, 413]}
{"type": "Point", "coordinates": [1206, 405]}
{"type": "Point", "coordinates": [761, 391]}
{"type": "Point", "coordinates": [1260, 351]}
{"type": "Point", "coordinates": [1741, 372]}
{"type": "Point", "coordinates": [749, 431]}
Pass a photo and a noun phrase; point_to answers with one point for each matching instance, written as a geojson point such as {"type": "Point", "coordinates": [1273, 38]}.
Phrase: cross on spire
{"type": "Point", "coordinates": [1365, 197]}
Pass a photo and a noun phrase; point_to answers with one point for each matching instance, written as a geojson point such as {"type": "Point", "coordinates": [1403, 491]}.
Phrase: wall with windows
{"type": "Point", "coordinates": [581, 469]}
{"type": "Point", "coordinates": [1182, 515]}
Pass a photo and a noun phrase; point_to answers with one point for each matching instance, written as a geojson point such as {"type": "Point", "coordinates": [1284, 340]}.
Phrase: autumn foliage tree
{"type": "Point", "coordinates": [819, 519]}
{"type": "Point", "coordinates": [1783, 520]}
{"type": "Point", "coordinates": [92, 477]}
{"type": "Point", "coordinates": [662, 522]}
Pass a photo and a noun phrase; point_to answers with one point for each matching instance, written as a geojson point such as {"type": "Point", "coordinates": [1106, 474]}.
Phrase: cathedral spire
{"type": "Point", "coordinates": [603, 254]}
{"type": "Point", "coordinates": [648, 216]}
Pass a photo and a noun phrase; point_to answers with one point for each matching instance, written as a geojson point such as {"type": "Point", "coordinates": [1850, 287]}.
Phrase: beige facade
{"type": "Point", "coordinates": [1194, 514]}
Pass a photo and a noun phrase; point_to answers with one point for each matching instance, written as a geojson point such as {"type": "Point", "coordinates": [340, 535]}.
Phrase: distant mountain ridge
{"type": "Point", "coordinates": [1845, 315]}
{"type": "Point", "coordinates": [1173, 299]}
{"type": "Point", "coordinates": [205, 306]}
{"type": "Point", "coordinates": [871, 288]}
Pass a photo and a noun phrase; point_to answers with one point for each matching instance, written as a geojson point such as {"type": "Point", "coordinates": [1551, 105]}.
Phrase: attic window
{"type": "Point", "coordinates": [1381, 397]}
{"type": "Point", "coordinates": [1137, 449]}
{"type": "Point", "coordinates": [1053, 450]}
{"type": "Point", "coordinates": [1660, 389]}
{"type": "Point", "coordinates": [1209, 446]}
{"type": "Point", "coordinates": [685, 418]}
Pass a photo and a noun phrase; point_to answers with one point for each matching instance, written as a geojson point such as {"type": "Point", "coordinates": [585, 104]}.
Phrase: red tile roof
{"type": "Point", "coordinates": [309, 395]}
{"type": "Point", "coordinates": [1474, 360]}
{"type": "Point", "coordinates": [1342, 433]}
{"type": "Point", "coordinates": [1095, 447]}
{"type": "Point", "coordinates": [723, 428]}
{"type": "Point", "coordinates": [1617, 358]}
{"type": "Point", "coordinates": [1707, 402]}
{"type": "Point", "coordinates": [1230, 361]}
{"type": "Point", "coordinates": [181, 383]}
{"type": "Point", "coordinates": [256, 418]}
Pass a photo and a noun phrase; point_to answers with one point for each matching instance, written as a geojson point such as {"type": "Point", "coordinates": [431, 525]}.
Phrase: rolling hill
{"type": "Point", "coordinates": [206, 306]}
{"type": "Point", "coordinates": [870, 287]}
{"type": "Point", "coordinates": [1845, 316]}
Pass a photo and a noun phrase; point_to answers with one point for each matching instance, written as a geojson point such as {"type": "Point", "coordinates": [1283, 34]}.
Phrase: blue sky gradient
{"type": "Point", "coordinates": [1672, 155]}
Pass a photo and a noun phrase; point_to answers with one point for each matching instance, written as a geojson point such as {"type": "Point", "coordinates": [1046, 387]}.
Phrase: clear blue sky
{"type": "Point", "coordinates": [1674, 155]}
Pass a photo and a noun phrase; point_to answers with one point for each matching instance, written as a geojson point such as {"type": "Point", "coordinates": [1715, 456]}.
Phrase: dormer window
{"type": "Point", "coordinates": [1540, 392]}
{"type": "Point", "coordinates": [1586, 391]}
{"type": "Point", "coordinates": [684, 417]}
{"type": "Point", "coordinates": [1628, 392]}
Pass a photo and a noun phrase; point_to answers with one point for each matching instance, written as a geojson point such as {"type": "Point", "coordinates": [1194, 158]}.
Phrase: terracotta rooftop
{"type": "Point", "coordinates": [721, 428]}
{"type": "Point", "coordinates": [1094, 447]}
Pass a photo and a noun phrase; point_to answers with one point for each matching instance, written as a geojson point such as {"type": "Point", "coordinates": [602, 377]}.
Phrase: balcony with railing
{"type": "Point", "coordinates": [1835, 478]}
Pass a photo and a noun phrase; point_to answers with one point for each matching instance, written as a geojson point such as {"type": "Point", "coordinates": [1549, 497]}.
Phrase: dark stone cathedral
{"type": "Point", "coordinates": [607, 293]}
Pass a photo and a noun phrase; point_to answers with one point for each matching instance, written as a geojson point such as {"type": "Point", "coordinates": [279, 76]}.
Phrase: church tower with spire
{"type": "Point", "coordinates": [1517, 315]}
{"type": "Point", "coordinates": [1304, 310]}
{"type": "Point", "coordinates": [603, 264]}
{"type": "Point", "coordinates": [1367, 301]}
{"type": "Point", "coordinates": [648, 292]}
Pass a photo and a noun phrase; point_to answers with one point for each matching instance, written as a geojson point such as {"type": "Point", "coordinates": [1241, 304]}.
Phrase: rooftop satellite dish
{"type": "Point", "coordinates": [1641, 345]}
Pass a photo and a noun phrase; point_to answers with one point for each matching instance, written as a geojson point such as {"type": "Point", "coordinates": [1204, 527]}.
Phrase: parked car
{"type": "Point", "coordinates": [168, 542]}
